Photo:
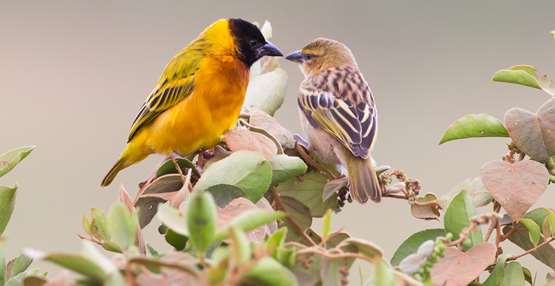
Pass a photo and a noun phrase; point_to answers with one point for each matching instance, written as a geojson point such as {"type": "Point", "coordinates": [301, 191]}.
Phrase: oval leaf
{"type": "Point", "coordinates": [246, 170]}
{"type": "Point", "coordinates": [7, 203]}
{"type": "Point", "coordinates": [411, 244]}
{"type": "Point", "coordinates": [268, 272]}
{"type": "Point", "coordinates": [474, 125]}
{"type": "Point", "coordinates": [533, 230]}
{"type": "Point", "coordinates": [201, 220]}
{"type": "Point", "coordinates": [309, 189]}
{"type": "Point", "coordinates": [514, 275]}
{"type": "Point", "coordinates": [122, 226]}
{"type": "Point", "coordinates": [248, 221]}
{"type": "Point", "coordinates": [524, 75]}
{"type": "Point", "coordinates": [285, 167]}
{"type": "Point", "coordinates": [171, 218]}
{"type": "Point", "coordinates": [11, 158]}
{"type": "Point", "coordinates": [458, 216]}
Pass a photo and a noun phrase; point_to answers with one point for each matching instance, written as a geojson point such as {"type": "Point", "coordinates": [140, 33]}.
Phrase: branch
{"type": "Point", "coordinates": [546, 242]}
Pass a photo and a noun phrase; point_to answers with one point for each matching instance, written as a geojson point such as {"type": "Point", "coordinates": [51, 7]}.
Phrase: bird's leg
{"type": "Point", "coordinates": [177, 167]}
{"type": "Point", "coordinates": [312, 162]}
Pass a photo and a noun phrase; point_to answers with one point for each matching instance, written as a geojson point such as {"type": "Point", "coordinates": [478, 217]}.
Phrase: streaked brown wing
{"type": "Point", "coordinates": [339, 102]}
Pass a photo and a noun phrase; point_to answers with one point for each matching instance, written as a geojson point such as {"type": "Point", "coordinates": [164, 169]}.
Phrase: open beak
{"type": "Point", "coordinates": [296, 56]}
{"type": "Point", "coordinates": [270, 50]}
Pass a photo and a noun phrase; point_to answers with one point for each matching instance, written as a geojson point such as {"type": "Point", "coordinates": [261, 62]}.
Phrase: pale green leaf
{"type": "Point", "coordinates": [171, 218]}
{"type": "Point", "coordinates": [11, 158]}
{"type": "Point", "coordinates": [411, 244]}
{"type": "Point", "coordinates": [201, 220]}
{"type": "Point", "coordinates": [514, 275]}
{"type": "Point", "coordinates": [268, 272]}
{"type": "Point", "coordinates": [533, 230]}
{"type": "Point", "coordinates": [474, 125]}
{"type": "Point", "coordinates": [122, 226]}
{"type": "Point", "coordinates": [246, 170]}
{"type": "Point", "coordinates": [7, 203]}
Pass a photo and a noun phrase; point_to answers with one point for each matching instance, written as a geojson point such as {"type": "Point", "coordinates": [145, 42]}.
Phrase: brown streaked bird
{"type": "Point", "coordinates": [338, 113]}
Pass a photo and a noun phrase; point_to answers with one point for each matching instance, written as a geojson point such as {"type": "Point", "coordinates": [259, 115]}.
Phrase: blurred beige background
{"type": "Point", "coordinates": [73, 74]}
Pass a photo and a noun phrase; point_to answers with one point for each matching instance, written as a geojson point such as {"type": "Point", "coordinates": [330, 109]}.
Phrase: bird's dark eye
{"type": "Point", "coordinates": [253, 43]}
{"type": "Point", "coordinates": [309, 57]}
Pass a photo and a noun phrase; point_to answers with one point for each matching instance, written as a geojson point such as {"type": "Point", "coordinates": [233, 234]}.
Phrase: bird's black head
{"type": "Point", "coordinates": [250, 42]}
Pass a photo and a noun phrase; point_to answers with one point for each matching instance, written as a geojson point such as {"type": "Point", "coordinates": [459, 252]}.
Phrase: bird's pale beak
{"type": "Point", "coordinates": [268, 49]}
{"type": "Point", "coordinates": [296, 57]}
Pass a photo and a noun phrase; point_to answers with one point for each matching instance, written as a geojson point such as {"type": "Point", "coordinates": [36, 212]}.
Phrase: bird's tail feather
{"type": "Point", "coordinates": [118, 166]}
{"type": "Point", "coordinates": [363, 181]}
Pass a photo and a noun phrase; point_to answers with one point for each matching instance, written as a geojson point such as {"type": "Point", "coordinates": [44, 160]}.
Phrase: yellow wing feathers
{"type": "Point", "coordinates": [174, 85]}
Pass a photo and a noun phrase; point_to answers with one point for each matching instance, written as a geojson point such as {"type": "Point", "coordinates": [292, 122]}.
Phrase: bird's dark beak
{"type": "Point", "coordinates": [296, 57]}
{"type": "Point", "coordinates": [268, 49]}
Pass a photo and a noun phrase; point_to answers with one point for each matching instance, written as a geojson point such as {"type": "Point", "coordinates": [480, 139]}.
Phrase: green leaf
{"type": "Point", "coordinates": [122, 226]}
{"type": "Point", "coordinates": [171, 218]}
{"type": "Point", "coordinates": [383, 275]}
{"type": "Point", "coordinates": [474, 125]}
{"type": "Point", "coordinates": [98, 225]}
{"type": "Point", "coordinates": [549, 224]}
{"type": "Point", "coordinates": [18, 265]}
{"type": "Point", "coordinates": [496, 275]}
{"type": "Point", "coordinates": [168, 167]}
{"type": "Point", "coordinates": [248, 221]}
{"type": "Point", "coordinates": [308, 190]}
{"type": "Point", "coordinates": [411, 244]}
{"type": "Point", "coordinates": [201, 220]}
{"type": "Point", "coordinates": [74, 262]}
{"type": "Point", "coordinates": [457, 217]}
{"type": "Point", "coordinates": [286, 167]}
{"type": "Point", "coordinates": [2, 263]}
{"type": "Point", "coordinates": [7, 203]}
{"type": "Point", "coordinates": [175, 239]}
{"type": "Point", "coordinates": [514, 275]}
{"type": "Point", "coordinates": [276, 240]}
{"type": "Point", "coordinates": [268, 272]}
{"type": "Point", "coordinates": [522, 75]}
{"type": "Point", "coordinates": [11, 158]}
{"type": "Point", "coordinates": [240, 247]}
{"type": "Point", "coordinates": [224, 194]}
{"type": "Point", "coordinates": [246, 170]}
{"type": "Point", "coordinates": [533, 230]}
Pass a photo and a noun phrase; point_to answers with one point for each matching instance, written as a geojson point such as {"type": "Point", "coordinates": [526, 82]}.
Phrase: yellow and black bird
{"type": "Point", "coordinates": [199, 94]}
{"type": "Point", "coordinates": [338, 113]}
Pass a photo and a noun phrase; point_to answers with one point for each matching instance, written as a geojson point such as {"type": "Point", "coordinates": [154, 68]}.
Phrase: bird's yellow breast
{"type": "Point", "coordinates": [200, 120]}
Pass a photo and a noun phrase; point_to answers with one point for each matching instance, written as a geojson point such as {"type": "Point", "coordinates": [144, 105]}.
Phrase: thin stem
{"type": "Point", "coordinates": [265, 133]}
{"type": "Point", "coordinates": [546, 242]}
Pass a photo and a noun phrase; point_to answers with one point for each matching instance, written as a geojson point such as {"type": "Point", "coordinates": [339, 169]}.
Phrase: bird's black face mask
{"type": "Point", "coordinates": [251, 43]}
